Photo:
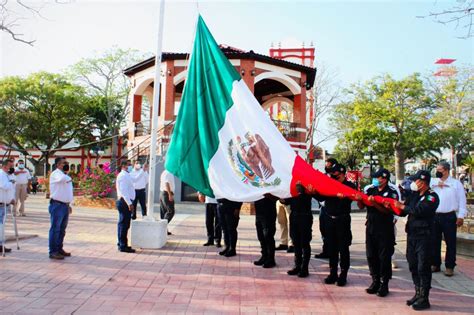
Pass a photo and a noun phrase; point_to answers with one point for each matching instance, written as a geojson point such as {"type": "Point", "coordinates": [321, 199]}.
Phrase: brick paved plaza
{"type": "Point", "coordinates": [185, 277]}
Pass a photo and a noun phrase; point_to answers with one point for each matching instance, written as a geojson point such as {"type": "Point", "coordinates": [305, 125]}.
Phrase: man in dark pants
{"type": "Point", "coordinates": [265, 222]}
{"type": "Point", "coordinates": [140, 180]}
{"type": "Point", "coordinates": [338, 228]}
{"type": "Point", "coordinates": [61, 194]}
{"type": "Point", "coordinates": [167, 186]}
{"type": "Point", "coordinates": [328, 168]}
{"type": "Point", "coordinates": [420, 206]}
{"type": "Point", "coordinates": [125, 197]}
{"type": "Point", "coordinates": [228, 212]}
{"type": "Point", "coordinates": [380, 234]}
{"type": "Point", "coordinates": [213, 228]}
{"type": "Point", "coordinates": [452, 199]}
{"type": "Point", "coordinates": [301, 224]}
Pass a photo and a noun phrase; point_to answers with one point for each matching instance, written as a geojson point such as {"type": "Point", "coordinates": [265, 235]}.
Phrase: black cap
{"type": "Point", "coordinates": [333, 161]}
{"type": "Point", "coordinates": [338, 168]}
{"type": "Point", "coordinates": [382, 173]}
{"type": "Point", "coordinates": [423, 175]}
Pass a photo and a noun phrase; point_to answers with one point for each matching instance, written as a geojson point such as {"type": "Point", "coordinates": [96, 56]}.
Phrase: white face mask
{"type": "Point", "coordinates": [138, 166]}
{"type": "Point", "coordinates": [413, 186]}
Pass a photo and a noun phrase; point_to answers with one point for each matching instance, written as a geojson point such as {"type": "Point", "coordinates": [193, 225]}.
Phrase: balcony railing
{"type": "Point", "coordinates": [287, 128]}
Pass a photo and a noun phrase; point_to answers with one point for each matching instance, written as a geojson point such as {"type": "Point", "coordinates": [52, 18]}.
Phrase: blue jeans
{"type": "Point", "coordinates": [3, 215]}
{"type": "Point", "coordinates": [125, 215]}
{"type": "Point", "coordinates": [445, 227]}
{"type": "Point", "coordinates": [59, 214]}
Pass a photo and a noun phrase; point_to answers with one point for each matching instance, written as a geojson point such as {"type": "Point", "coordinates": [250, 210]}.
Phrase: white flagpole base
{"type": "Point", "coordinates": [149, 233]}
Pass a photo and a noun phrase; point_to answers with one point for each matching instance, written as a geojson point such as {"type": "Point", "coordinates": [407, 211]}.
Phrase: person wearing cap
{"type": "Point", "coordinates": [420, 206]}
{"type": "Point", "coordinates": [449, 216]}
{"type": "Point", "coordinates": [380, 234]}
{"type": "Point", "coordinates": [328, 168]}
{"type": "Point", "coordinates": [338, 228]}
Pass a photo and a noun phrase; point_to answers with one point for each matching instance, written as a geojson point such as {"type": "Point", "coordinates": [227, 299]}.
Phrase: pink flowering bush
{"type": "Point", "coordinates": [97, 182]}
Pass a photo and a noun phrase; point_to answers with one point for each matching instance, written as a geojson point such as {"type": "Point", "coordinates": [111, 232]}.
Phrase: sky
{"type": "Point", "coordinates": [356, 40]}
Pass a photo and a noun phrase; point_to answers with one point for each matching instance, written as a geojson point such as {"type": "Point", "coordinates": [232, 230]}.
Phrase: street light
{"type": "Point", "coordinates": [371, 158]}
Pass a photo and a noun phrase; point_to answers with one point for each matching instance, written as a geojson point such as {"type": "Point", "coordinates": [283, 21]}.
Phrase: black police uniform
{"type": "Point", "coordinates": [265, 222]}
{"type": "Point", "coordinates": [421, 211]}
{"type": "Point", "coordinates": [228, 213]}
{"type": "Point", "coordinates": [301, 224]}
{"type": "Point", "coordinates": [380, 240]}
{"type": "Point", "coordinates": [338, 233]}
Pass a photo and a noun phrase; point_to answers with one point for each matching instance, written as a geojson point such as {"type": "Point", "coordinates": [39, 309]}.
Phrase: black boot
{"type": "Point", "coordinates": [374, 287]}
{"type": "Point", "coordinates": [297, 268]}
{"type": "Point", "coordinates": [259, 262]}
{"type": "Point", "coordinates": [304, 266]}
{"type": "Point", "coordinates": [383, 290]}
{"type": "Point", "coordinates": [342, 279]}
{"type": "Point", "coordinates": [332, 278]}
{"type": "Point", "coordinates": [415, 297]}
{"type": "Point", "coordinates": [209, 242]}
{"type": "Point", "coordinates": [223, 252]}
{"type": "Point", "coordinates": [423, 301]}
{"type": "Point", "coordinates": [230, 253]}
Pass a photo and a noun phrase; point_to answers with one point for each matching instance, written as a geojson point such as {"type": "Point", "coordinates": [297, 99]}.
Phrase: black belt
{"type": "Point", "coordinates": [140, 189]}
{"type": "Point", "coordinates": [57, 201]}
{"type": "Point", "coordinates": [334, 217]}
{"type": "Point", "coordinates": [446, 213]}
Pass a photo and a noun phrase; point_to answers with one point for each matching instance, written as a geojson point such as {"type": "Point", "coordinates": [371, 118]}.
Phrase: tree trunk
{"type": "Point", "coordinates": [114, 150]}
{"type": "Point", "coordinates": [453, 161]}
{"type": "Point", "coordinates": [399, 164]}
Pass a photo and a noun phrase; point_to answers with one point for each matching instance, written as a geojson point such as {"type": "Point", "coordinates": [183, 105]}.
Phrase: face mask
{"type": "Point", "coordinates": [327, 169]}
{"type": "Point", "coordinates": [11, 170]}
{"type": "Point", "coordinates": [21, 166]}
{"type": "Point", "coordinates": [334, 176]}
{"type": "Point", "coordinates": [138, 166]}
{"type": "Point", "coordinates": [375, 182]}
{"type": "Point", "coordinates": [439, 174]}
{"type": "Point", "coordinates": [413, 186]}
{"type": "Point", "coordinates": [66, 168]}
{"type": "Point", "coordinates": [129, 168]}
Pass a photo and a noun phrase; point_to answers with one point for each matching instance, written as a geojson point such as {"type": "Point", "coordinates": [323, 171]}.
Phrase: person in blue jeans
{"type": "Point", "coordinates": [125, 197]}
{"type": "Point", "coordinates": [61, 196]}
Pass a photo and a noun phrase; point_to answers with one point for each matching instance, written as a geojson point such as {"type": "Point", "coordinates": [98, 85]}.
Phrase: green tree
{"type": "Point", "coordinates": [455, 116]}
{"type": "Point", "coordinates": [392, 116]}
{"type": "Point", "coordinates": [43, 112]}
{"type": "Point", "coordinates": [105, 82]}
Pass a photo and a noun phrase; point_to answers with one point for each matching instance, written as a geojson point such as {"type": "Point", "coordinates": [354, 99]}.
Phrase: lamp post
{"type": "Point", "coordinates": [372, 159]}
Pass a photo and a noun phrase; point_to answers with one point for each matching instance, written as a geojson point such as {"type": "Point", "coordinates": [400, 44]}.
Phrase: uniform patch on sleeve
{"type": "Point", "coordinates": [431, 198]}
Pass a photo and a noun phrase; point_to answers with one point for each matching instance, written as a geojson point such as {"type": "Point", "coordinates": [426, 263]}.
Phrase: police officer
{"type": "Point", "coordinates": [380, 234]}
{"type": "Point", "coordinates": [328, 167]}
{"type": "Point", "coordinates": [265, 222]}
{"type": "Point", "coordinates": [338, 228]}
{"type": "Point", "coordinates": [228, 212]}
{"type": "Point", "coordinates": [420, 206]}
{"type": "Point", "coordinates": [301, 223]}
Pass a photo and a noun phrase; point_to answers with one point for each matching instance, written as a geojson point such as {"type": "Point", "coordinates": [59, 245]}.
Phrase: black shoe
{"type": "Point", "coordinates": [415, 297]}
{"type": "Point", "coordinates": [331, 279]}
{"type": "Point", "coordinates": [7, 250]}
{"type": "Point", "coordinates": [64, 253]}
{"type": "Point", "coordinates": [423, 301]}
{"type": "Point", "coordinates": [321, 256]}
{"type": "Point", "coordinates": [218, 245]}
{"type": "Point", "coordinates": [294, 271]}
{"type": "Point", "coordinates": [383, 290]}
{"type": "Point", "coordinates": [290, 249]}
{"type": "Point", "coordinates": [230, 253]}
{"type": "Point", "coordinates": [435, 269]}
{"type": "Point", "coordinates": [134, 217]}
{"type": "Point", "coordinates": [208, 243]}
{"type": "Point", "coordinates": [223, 252]}
{"type": "Point", "coordinates": [269, 264]}
{"type": "Point", "coordinates": [282, 247]}
{"type": "Point", "coordinates": [56, 256]}
{"type": "Point", "coordinates": [374, 287]}
{"type": "Point", "coordinates": [259, 262]}
{"type": "Point", "coordinates": [342, 279]}
{"type": "Point", "coordinates": [127, 250]}
{"type": "Point", "coordinates": [169, 233]}
{"type": "Point", "coordinates": [303, 273]}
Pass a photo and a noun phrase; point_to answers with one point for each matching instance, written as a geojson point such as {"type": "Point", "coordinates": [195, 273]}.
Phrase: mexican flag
{"type": "Point", "coordinates": [225, 145]}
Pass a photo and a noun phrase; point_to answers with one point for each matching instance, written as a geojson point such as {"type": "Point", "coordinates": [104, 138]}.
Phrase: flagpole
{"type": "Point", "coordinates": [154, 124]}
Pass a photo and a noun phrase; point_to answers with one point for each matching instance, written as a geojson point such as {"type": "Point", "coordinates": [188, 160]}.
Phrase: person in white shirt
{"type": "Point", "coordinates": [61, 197]}
{"type": "Point", "coordinates": [7, 197]}
{"type": "Point", "coordinates": [214, 231]}
{"type": "Point", "coordinates": [167, 196]}
{"type": "Point", "coordinates": [125, 198]}
{"type": "Point", "coordinates": [449, 216]}
{"type": "Point", "coordinates": [23, 180]}
{"type": "Point", "coordinates": [140, 180]}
